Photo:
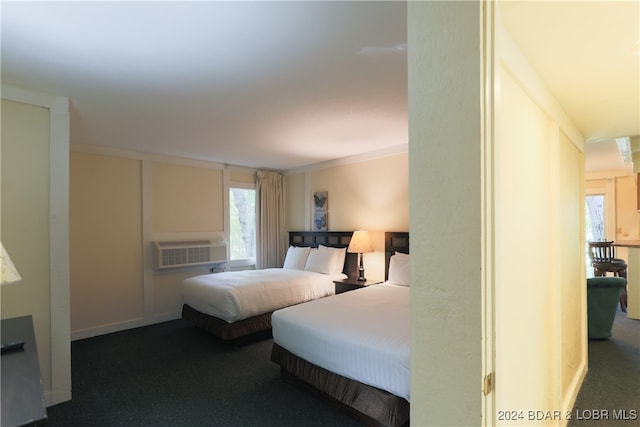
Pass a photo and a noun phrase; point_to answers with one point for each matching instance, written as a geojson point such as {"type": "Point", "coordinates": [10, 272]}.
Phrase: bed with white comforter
{"type": "Point", "coordinates": [353, 348]}
{"type": "Point", "coordinates": [362, 335]}
{"type": "Point", "coordinates": [238, 295]}
{"type": "Point", "coordinates": [235, 304]}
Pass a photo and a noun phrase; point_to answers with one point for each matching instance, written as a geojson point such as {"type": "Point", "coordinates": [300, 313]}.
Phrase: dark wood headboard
{"type": "Point", "coordinates": [336, 239]}
{"type": "Point", "coordinates": [394, 241]}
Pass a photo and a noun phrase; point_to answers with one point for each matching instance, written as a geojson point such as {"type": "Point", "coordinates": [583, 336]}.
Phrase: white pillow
{"type": "Point", "coordinates": [296, 257]}
{"type": "Point", "coordinates": [320, 261]}
{"type": "Point", "coordinates": [399, 269]}
{"type": "Point", "coordinates": [339, 256]}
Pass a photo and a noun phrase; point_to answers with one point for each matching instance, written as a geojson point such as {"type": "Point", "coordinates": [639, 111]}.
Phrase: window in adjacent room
{"type": "Point", "coordinates": [242, 223]}
{"type": "Point", "coordinates": [595, 223]}
{"type": "Point", "coordinates": [594, 208]}
{"type": "Point", "coordinates": [600, 213]}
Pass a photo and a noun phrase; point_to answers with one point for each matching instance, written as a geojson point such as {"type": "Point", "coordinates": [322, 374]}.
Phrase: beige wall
{"type": "Point", "coordinates": [544, 168]}
{"type": "Point", "coordinates": [106, 241]}
{"type": "Point", "coordinates": [523, 238]}
{"type": "Point", "coordinates": [371, 194]}
{"type": "Point", "coordinates": [34, 224]}
{"type": "Point", "coordinates": [25, 218]}
{"type": "Point", "coordinates": [497, 209]}
{"type": "Point", "coordinates": [539, 217]}
{"type": "Point", "coordinates": [572, 295]}
{"type": "Point", "coordinates": [121, 202]}
{"type": "Point", "coordinates": [297, 200]}
{"type": "Point", "coordinates": [627, 216]}
{"type": "Point", "coordinates": [181, 194]}
{"type": "Point", "coordinates": [242, 175]}
{"type": "Point", "coordinates": [445, 210]}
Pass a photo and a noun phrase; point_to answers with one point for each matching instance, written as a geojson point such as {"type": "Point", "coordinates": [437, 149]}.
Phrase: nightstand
{"type": "Point", "coordinates": [347, 285]}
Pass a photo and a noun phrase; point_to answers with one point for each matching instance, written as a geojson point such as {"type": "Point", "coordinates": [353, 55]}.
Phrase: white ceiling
{"type": "Point", "coordinates": [588, 53]}
{"type": "Point", "coordinates": [281, 85]}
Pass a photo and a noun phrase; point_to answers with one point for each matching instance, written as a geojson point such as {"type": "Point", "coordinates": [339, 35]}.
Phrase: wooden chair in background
{"type": "Point", "coordinates": [603, 260]}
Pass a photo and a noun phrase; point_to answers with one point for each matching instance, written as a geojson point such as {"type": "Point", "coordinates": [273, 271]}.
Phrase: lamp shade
{"type": "Point", "coordinates": [360, 242]}
{"type": "Point", "coordinates": [8, 272]}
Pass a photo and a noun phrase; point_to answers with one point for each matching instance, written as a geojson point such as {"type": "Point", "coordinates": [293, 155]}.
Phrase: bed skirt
{"type": "Point", "coordinates": [223, 329]}
{"type": "Point", "coordinates": [370, 405]}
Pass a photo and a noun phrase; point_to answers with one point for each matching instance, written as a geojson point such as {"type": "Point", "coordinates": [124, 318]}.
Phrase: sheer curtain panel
{"type": "Point", "coordinates": [270, 220]}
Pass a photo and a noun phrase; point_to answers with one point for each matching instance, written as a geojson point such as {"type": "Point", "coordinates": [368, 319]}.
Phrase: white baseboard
{"type": "Point", "coordinates": [54, 397]}
{"type": "Point", "coordinates": [123, 326]}
{"type": "Point", "coordinates": [572, 392]}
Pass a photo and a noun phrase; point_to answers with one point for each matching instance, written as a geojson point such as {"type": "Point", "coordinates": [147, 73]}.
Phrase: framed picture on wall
{"type": "Point", "coordinates": [320, 201]}
{"type": "Point", "coordinates": [320, 221]}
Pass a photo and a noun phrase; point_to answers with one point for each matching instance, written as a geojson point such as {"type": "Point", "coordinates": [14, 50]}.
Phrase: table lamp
{"type": "Point", "coordinates": [360, 243]}
{"type": "Point", "coordinates": [8, 274]}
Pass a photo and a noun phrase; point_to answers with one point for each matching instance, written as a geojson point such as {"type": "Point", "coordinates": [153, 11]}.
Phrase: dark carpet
{"type": "Point", "coordinates": [610, 393]}
{"type": "Point", "coordinates": [174, 374]}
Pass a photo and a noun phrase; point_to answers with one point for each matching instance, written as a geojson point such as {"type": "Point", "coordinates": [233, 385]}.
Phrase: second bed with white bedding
{"type": "Point", "coordinates": [238, 295]}
{"type": "Point", "coordinates": [363, 335]}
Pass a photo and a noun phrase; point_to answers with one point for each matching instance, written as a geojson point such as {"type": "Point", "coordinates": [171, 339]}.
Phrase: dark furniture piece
{"type": "Point", "coordinates": [370, 405]}
{"type": "Point", "coordinates": [262, 322]}
{"type": "Point", "coordinates": [603, 294]}
{"type": "Point", "coordinates": [350, 284]}
{"type": "Point", "coordinates": [603, 261]}
{"type": "Point", "coordinates": [22, 392]}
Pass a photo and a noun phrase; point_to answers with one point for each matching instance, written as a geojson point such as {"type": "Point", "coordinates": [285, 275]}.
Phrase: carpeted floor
{"type": "Point", "coordinates": [173, 374]}
{"type": "Point", "coordinates": [610, 393]}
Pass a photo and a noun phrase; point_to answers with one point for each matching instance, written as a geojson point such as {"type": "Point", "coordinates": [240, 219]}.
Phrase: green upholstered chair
{"type": "Point", "coordinates": [603, 294]}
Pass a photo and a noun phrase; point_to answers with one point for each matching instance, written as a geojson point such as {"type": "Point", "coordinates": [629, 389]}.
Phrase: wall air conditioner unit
{"type": "Point", "coordinates": [189, 253]}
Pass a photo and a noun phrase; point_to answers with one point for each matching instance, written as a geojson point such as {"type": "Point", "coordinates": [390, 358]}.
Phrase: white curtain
{"type": "Point", "coordinates": [270, 244]}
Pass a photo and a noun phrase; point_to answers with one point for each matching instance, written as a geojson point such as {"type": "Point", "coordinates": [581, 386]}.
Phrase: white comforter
{"type": "Point", "coordinates": [237, 295]}
{"type": "Point", "coordinates": [362, 335]}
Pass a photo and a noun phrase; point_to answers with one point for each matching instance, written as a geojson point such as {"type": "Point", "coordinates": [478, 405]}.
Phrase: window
{"type": "Point", "coordinates": [594, 209]}
{"type": "Point", "coordinates": [242, 223]}
{"type": "Point", "coordinates": [595, 224]}
{"type": "Point", "coordinates": [599, 214]}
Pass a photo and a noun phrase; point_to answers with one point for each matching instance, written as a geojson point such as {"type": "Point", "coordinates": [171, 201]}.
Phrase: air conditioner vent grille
{"type": "Point", "coordinates": [198, 255]}
{"type": "Point", "coordinates": [181, 254]}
